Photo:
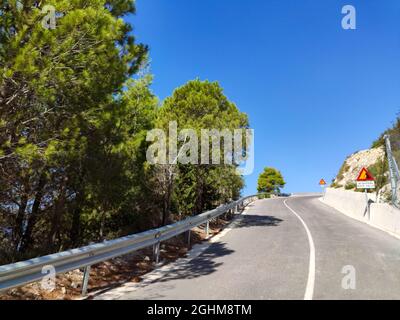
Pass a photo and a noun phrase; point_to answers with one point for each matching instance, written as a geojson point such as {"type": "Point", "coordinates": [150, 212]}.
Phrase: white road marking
{"type": "Point", "coordinates": [160, 272]}
{"type": "Point", "coordinates": [311, 268]}
{"type": "Point", "coordinates": [232, 225]}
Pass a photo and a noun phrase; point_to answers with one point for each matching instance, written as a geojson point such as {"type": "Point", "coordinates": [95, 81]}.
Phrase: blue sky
{"type": "Point", "coordinates": [314, 92]}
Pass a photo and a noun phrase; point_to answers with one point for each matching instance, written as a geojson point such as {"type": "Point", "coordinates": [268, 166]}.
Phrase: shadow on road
{"type": "Point", "coordinates": [200, 266]}
{"type": "Point", "coordinates": [257, 221]}
{"type": "Point", "coordinates": [206, 262]}
{"type": "Point", "coordinates": [182, 269]}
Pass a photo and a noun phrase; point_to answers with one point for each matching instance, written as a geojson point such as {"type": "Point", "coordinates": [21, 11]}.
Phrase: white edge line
{"type": "Point", "coordinates": [311, 268]}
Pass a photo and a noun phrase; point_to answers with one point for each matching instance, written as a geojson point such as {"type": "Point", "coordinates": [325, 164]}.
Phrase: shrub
{"type": "Point", "coordinates": [350, 186]}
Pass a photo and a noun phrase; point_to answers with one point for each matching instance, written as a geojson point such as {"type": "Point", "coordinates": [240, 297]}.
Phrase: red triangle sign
{"type": "Point", "coordinates": [365, 175]}
{"type": "Point", "coordinates": [322, 182]}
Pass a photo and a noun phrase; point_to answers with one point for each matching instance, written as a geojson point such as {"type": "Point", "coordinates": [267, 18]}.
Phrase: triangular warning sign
{"type": "Point", "coordinates": [322, 182]}
{"type": "Point", "coordinates": [365, 175]}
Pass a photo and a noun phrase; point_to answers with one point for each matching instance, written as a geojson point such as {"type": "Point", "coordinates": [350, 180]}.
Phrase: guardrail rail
{"type": "Point", "coordinates": [21, 273]}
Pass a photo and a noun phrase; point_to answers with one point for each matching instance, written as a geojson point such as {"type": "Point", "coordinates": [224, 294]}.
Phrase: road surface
{"type": "Point", "coordinates": [286, 248]}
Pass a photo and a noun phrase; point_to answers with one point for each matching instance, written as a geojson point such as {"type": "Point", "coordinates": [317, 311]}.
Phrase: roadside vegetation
{"type": "Point", "coordinates": [378, 167]}
{"type": "Point", "coordinates": [393, 131]}
{"type": "Point", "coordinates": [270, 182]}
{"type": "Point", "coordinates": [75, 106]}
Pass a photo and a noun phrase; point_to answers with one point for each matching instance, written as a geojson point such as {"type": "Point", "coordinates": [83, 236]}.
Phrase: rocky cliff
{"type": "Point", "coordinates": [375, 161]}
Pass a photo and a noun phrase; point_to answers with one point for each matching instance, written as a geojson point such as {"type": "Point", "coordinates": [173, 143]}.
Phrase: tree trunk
{"type": "Point", "coordinates": [59, 209]}
{"type": "Point", "coordinates": [75, 231]}
{"type": "Point", "coordinates": [19, 222]}
{"type": "Point", "coordinates": [167, 196]}
{"type": "Point", "coordinates": [26, 241]}
{"type": "Point", "coordinates": [166, 207]}
{"type": "Point", "coordinates": [199, 193]}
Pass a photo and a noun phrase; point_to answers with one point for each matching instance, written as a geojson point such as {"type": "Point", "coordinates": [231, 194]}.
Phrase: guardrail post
{"type": "Point", "coordinates": [393, 173]}
{"type": "Point", "coordinates": [207, 229]}
{"type": "Point", "coordinates": [368, 208]}
{"type": "Point", "coordinates": [85, 282]}
{"type": "Point", "coordinates": [188, 238]}
{"type": "Point", "coordinates": [156, 252]}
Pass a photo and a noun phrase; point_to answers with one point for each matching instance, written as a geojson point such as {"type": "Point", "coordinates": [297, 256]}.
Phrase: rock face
{"type": "Point", "coordinates": [346, 179]}
{"type": "Point", "coordinates": [353, 165]}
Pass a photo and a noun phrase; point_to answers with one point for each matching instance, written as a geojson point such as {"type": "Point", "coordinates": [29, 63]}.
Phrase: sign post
{"type": "Point", "coordinates": [322, 183]}
{"type": "Point", "coordinates": [366, 181]}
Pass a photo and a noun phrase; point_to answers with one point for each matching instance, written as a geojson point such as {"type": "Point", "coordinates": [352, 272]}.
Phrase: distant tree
{"type": "Point", "coordinates": [270, 181]}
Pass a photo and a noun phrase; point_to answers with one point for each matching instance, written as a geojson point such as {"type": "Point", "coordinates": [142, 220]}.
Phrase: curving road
{"type": "Point", "coordinates": [293, 248]}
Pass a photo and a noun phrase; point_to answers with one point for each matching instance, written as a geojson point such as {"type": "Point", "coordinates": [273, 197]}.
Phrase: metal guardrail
{"type": "Point", "coordinates": [393, 169]}
{"type": "Point", "coordinates": [21, 273]}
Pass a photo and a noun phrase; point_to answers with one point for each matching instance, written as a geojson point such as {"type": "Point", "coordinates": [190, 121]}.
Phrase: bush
{"type": "Point", "coordinates": [350, 186]}
{"type": "Point", "coordinates": [379, 170]}
{"type": "Point", "coordinates": [344, 168]}
{"type": "Point", "coordinates": [336, 185]}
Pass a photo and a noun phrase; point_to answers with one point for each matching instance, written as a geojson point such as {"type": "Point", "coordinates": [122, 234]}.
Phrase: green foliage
{"type": "Point", "coordinates": [201, 105]}
{"type": "Point", "coordinates": [380, 172]}
{"type": "Point", "coordinates": [71, 124]}
{"type": "Point", "coordinates": [350, 186]}
{"type": "Point", "coordinates": [192, 189]}
{"type": "Point", "coordinates": [344, 168]}
{"type": "Point", "coordinates": [380, 142]}
{"type": "Point", "coordinates": [393, 131]}
{"type": "Point", "coordinates": [74, 114]}
{"type": "Point", "coordinates": [270, 181]}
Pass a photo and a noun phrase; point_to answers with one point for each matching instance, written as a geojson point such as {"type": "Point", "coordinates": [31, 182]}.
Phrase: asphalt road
{"type": "Point", "coordinates": [294, 248]}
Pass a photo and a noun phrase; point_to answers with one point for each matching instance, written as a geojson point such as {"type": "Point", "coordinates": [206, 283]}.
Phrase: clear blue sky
{"type": "Point", "coordinates": [314, 92]}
